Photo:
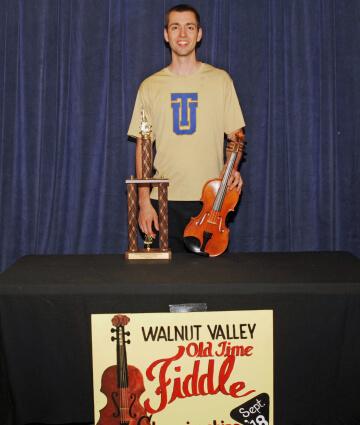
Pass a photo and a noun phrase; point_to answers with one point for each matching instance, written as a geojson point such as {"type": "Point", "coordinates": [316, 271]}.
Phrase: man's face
{"type": "Point", "coordinates": [182, 33]}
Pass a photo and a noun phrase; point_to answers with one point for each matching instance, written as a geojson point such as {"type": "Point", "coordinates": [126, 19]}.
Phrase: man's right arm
{"type": "Point", "coordinates": [148, 218]}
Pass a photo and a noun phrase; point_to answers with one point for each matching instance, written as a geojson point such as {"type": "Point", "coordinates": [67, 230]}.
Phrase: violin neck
{"type": "Point", "coordinates": [121, 360]}
{"type": "Point", "coordinates": [223, 187]}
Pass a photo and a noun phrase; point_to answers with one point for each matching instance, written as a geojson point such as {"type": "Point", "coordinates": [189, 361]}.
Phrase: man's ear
{"type": "Point", "coordinates": [166, 35]}
{"type": "Point", "coordinates": [200, 34]}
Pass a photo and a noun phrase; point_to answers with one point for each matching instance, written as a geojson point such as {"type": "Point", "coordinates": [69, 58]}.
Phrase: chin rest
{"type": "Point", "coordinates": [193, 245]}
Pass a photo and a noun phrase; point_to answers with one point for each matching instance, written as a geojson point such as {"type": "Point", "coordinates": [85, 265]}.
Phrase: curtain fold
{"type": "Point", "coordinates": [69, 72]}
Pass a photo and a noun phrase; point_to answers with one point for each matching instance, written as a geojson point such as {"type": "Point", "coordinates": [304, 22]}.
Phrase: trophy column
{"type": "Point", "coordinates": [133, 252]}
{"type": "Point", "coordinates": [132, 216]}
{"type": "Point", "coordinates": [163, 217]}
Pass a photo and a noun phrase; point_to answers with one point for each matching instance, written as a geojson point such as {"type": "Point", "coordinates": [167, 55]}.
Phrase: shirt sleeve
{"type": "Point", "coordinates": [234, 118]}
{"type": "Point", "coordinates": [140, 103]}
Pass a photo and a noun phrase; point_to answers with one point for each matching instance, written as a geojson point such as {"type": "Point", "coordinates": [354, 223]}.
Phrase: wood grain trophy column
{"type": "Point", "coordinates": [148, 253]}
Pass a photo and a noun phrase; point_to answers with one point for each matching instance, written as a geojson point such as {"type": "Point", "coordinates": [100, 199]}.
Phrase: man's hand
{"type": "Point", "coordinates": [235, 181]}
{"type": "Point", "coordinates": [235, 140]}
{"type": "Point", "coordinates": [148, 219]}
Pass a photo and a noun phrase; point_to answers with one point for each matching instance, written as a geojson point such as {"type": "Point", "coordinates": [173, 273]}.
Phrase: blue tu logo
{"type": "Point", "coordinates": [184, 112]}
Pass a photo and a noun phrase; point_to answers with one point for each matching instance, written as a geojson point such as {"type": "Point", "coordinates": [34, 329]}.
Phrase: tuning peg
{"type": "Point", "coordinates": [113, 330]}
{"type": "Point", "coordinates": [113, 338]}
{"type": "Point", "coordinates": [128, 341]}
{"type": "Point", "coordinates": [127, 333]}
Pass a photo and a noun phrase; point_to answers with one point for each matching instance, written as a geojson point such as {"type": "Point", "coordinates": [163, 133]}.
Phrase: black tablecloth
{"type": "Point", "coordinates": [45, 339]}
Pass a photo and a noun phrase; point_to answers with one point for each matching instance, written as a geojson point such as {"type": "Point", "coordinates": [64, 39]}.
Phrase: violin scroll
{"type": "Point", "coordinates": [236, 144]}
{"type": "Point", "coordinates": [120, 320]}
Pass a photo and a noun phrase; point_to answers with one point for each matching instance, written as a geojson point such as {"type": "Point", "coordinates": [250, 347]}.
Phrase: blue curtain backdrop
{"type": "Point", "coordinates": [69, 72]}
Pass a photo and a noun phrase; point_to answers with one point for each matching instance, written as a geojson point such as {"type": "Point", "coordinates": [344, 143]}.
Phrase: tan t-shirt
{"type": "Point", "coordinates": [189, 116]}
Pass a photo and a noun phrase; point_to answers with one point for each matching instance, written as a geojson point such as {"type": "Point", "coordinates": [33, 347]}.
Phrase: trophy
{"type": "Point", "coordinates": [147, 253]}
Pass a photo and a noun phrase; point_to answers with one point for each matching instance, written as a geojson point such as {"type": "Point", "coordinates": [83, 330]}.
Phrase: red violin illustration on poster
{"type": "Point", "coordinates": [122, 384]}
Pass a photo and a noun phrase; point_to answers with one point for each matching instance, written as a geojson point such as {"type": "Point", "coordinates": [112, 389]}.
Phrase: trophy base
{"type": "Point", "coordinates": [148, 254]}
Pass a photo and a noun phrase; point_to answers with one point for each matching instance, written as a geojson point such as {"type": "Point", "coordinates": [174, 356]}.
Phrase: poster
{"type": "Point", "coordinates": [198, 368]}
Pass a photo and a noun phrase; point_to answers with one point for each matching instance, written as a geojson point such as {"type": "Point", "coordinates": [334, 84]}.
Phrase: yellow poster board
{"type": "Point", "coordinates": [198, 368]}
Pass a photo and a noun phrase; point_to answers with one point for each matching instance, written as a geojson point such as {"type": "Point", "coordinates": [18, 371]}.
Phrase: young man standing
{"type": "Point", "coordinates": [190, 106]}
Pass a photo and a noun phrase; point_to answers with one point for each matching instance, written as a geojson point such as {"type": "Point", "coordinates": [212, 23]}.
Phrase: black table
{"type": "Point", "coordinates": [45, 339]}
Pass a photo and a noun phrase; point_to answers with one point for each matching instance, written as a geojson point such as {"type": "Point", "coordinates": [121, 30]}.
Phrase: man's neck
{"type": "Point", "coordinates": [184, 65]}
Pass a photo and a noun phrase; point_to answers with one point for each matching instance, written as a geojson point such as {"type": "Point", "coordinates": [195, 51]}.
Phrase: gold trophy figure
{"type": "Point", "coordinates": [147, 253]}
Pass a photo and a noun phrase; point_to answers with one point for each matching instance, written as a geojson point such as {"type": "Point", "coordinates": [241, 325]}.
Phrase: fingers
{"type": "Point", "coordinates": [235, 181]}
{"type": "Point", "coordinates": [230, 146]}
{"type": "Point", "coordinates": [147, 228]}
{"type": "Point", "coordinates": [148, 219]}
{"type": "Point", "coordinates": [156, 222]}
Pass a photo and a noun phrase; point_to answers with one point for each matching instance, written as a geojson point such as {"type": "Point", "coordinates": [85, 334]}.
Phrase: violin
{"type": "Point", "coordinates": [122, 384]}
{"type": "Point", "coordinates": [207, 234]}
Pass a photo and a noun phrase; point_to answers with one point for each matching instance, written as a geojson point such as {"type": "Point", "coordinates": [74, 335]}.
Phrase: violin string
{"type": "Point", "coordinates": [221, 193]}
{"type": "Point", "coordinates": [124, 382]}
{"type": "Point", "coordinates": [121, 386]}
{"type": "Point", "coordinates": [123, 398]}
{"type": "Point", "coordinates": [220, 196]}
{"type": "Point", "coordinates": [222, 190]}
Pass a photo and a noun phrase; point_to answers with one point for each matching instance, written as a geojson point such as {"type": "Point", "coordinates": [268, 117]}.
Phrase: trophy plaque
{"type": "Point", "coordinates": [147, 253]}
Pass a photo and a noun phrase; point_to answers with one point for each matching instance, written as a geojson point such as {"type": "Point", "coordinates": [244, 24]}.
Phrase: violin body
{"type": "Point", "coordinates": [123, 405]}
{"type": "Point", "coordinates": [207, 233]}
{"type": "Point", "coordinates": [122, 384]}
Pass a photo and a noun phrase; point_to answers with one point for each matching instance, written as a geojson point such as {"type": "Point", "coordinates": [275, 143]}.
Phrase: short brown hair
{"type": "Point", "coordinates": [182, 8]}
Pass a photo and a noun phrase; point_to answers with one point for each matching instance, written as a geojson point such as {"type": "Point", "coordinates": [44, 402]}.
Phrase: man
{"type": "Point", "coordinates": [190, 106]}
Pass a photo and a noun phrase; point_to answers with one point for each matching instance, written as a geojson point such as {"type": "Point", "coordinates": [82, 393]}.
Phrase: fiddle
{"type": "Point", "coordinates": [122, 384]}
{"type": "Point", "coordinates": [207, 234]}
